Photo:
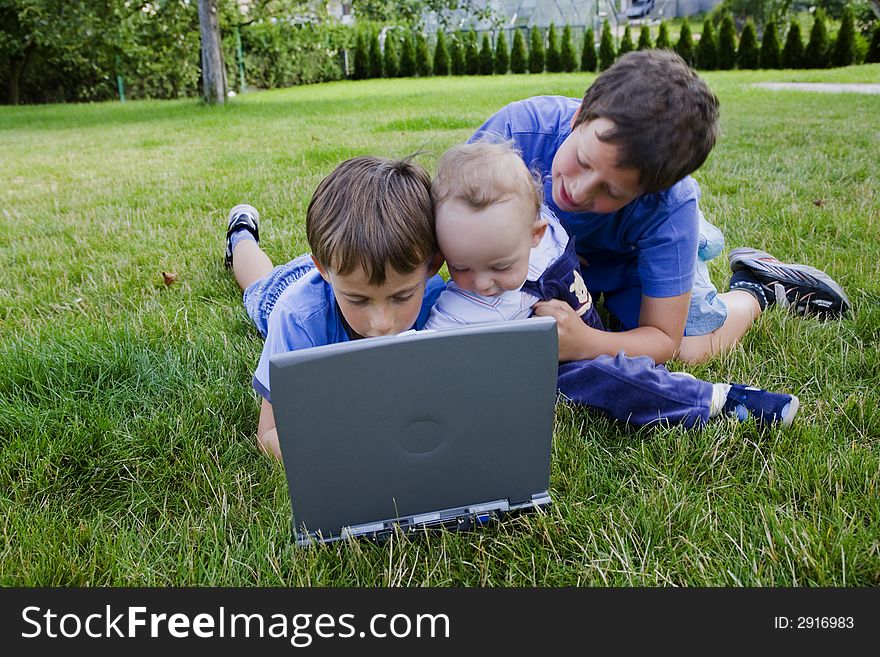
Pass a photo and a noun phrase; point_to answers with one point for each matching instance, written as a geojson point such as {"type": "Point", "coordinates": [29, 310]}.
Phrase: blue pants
{"type": "Point", "coordinates": [636, 391]}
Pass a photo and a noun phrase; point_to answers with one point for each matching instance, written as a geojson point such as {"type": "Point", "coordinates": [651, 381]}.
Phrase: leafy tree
{"type": "Point", "coordinates": [537, 54]}
{"type": "Point", "coordinates": [844, 52]}
{"type": "Point", "coordinates": [589, 61]}
{"type": "Point", "coordinates": [456, 55]}
{"type": "Point", "coordinates": [873, 54]}
{"type": "Point", "coordinates": [685, 45]}
{"type": "Point", "coordinates": [793, 50]}
{"type": "Point", "coordinates": [423, 56]}
{"type": "Point", "coordinates": [726, 43]}
{"type": "Point", "coordinates": [375, 57]}
{"type": "Point", "coordinates": [471, 54]}
{"type": "Point", "coordinates": [771, 54]}
{"type": "Point", "coordinates": [645, 42]}
{"type": "Point", "coordinates": [816, 52]}
{"type": "Point", "coordinates": [554, 57]}
{"type": "Point", "coordinates": [663, 41]}
{"type": "Point", "coordinates": [390, 60]}
{"type": "Point", "coordinates": [518, 58]}
{"type": "Point", "coordinates": [502, 55]}
{"type": "Point", "coordinates": [606, 47]}
{"type": "Point", "coordinates": [626, 43]}
{"type": "Point", "coordinates": [566, 51]}
{"type": "Point", "coordinates": [747, 54]}
{"type": "Point", "coordinates": [407, 66]}
{"type": "Point", "coordinates": [487, 59]}
{"type": "Point", "coordinates": [707, 49]}
{"type": "Point", "coordinates": [361, 57]}
{"type": "Point", "coordinates": [441, 55]}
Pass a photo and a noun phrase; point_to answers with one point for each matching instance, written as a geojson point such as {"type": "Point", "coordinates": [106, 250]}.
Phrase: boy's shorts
{"type": "Point", "coordinates": [260, 296]}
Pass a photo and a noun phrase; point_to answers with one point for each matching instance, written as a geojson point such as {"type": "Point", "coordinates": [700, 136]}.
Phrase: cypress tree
{"type": "Point", "coordinates": [471, 54]}
{"type": "Point", "coordinates": [589, 61]}
{"type": "Point", "coordinates": [361, 57]}
{"type": "Point", "coordinates": [554, 57]}
{"type": "Point", "coordinates": [606, 47]}
{"type": "Point", "coordinates": [816, 52]}
{"type": "Point", "coordinates": [727, 44]}
{"type": "Point", "coordinates": [873, 54]}
{"type": "Point", "coordinates": [456, 55]}
{"type": "Point", "coordinates": [487, 60]}
{"type": "Point", "coordinates": [390, 61]}
{"type": "Point", "coordinates": [423, 57]}
{"type": "Point", "coordinates": [645, 42]}
{"type": "Point", "coordinates": [441, 56]}
{"type": "Point", "coordinates": [747, 55]}
{"type": "Point", "coordinates": [793, 51]}
{"type": "Point", "coordinates": [536, 51]}
{"type": "Point", "coordinates": [502, 56]}
{"type": "Point", "coordinates": [771, 55]}
{"type": "Point", "coordinates": [375, 58]}
{"type": "Point", "coordinates": [518, 57]}
{"type": "Point", "coordinates": [844, 52]}
{"type": "Point", "coordinates": [707, 50]}
{"type": "Point", "coordinates": [407, 67]}
{"type": "Point", "coordinates": [663, 41]}
{"type": "Point", "coordinates": [685, 45]}
{"type": "Point", "coordinates": [626, 43]}
{"type": "Point", "coordinates": [566, 51]}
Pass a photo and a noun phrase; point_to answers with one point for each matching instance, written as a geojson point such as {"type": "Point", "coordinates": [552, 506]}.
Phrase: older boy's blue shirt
{"type": "Point", "coordinates": [651, 241]}
{"type": "Point", "coordinates": [306, 315]}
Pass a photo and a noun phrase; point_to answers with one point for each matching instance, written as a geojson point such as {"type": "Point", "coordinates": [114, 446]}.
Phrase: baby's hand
{"type": "Point", "coordinates": [569, 327]}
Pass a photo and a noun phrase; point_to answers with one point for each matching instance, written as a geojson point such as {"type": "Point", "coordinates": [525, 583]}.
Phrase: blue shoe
{"type": "Point", "coordinates": [805, 289]}
{"type": "Point", "coordinates": [241, 217]}
{"type": "Point", "coordinates": [768, 408]}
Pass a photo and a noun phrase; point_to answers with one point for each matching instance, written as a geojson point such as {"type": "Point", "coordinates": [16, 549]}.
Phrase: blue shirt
{"type": "Point", "coordinates": [652, 241]}
{"type": "Point", "coordinates": [306, 315]}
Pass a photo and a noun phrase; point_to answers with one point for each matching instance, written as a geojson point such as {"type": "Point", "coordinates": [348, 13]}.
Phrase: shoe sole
{"type": "Point", "coordinates": [793, 407]}
{"type": "Point", "coordinates": [740, 259]}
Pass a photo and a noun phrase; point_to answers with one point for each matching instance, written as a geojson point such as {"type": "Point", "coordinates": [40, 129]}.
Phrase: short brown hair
{"type": "Point", "coordinates": [483, 173]}
{"type": "Point", "coordinates": [371, 213]}
{"type": "Point", "coordinates": [665, 116]}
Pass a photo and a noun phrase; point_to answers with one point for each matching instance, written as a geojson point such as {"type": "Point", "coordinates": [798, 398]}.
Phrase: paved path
{"type": "Point", "coordinates": [826, 87]}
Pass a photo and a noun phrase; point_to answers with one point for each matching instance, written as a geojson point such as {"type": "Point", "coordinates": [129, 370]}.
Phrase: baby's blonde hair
{"type": "Point", "coordinates": [483, 173]}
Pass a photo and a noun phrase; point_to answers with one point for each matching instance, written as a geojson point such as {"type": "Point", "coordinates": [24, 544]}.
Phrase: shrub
{"type": "Point", "coordinates": [471, 54]}
{"type": "Point", "coordinates": [707, 49]}
{"type": "Point", "coordinates": [726, 44]}
{"type": "Point", "coordinates": [554, 57]}
{"type": "Point", "coordinates": [441, 55]}
{"type": "Point", "coordinates": [685, 45]}
{"type": "Point", "coordinates": [626, 43]}
{"type": "Point", "coordinates": [873, 54]}
{"type": "Point", "coordinates": [566, 51]}
{"type": "Point", "coordinates": [816, 52]}
{"type": "Point", "coordinates": [361, 58]}
{"type": "Point", "coordinates": [747, 54]}
{"type": "Point", "coordinates": [518, 58]}
{"type": "Point", "coordinates": [456, 55]}
{"type": "Point", "coordinates": [390, 61]}
{"type": "Point", "coordinates": [771, 55]}
{"type": "Point", "coordinates": [537, 56]}
{"type": "Point", "coordinates": [375, 57]}
{"type": "Point", "coordinates": [606, 47]}
{"type": "Point", "coordinates": [407, 68]}
{"type": "Point", "coordinates": [487, 60]}
{"type": "Point", "coordinates": [645, 42]}
{"type": "Point", "coordinates": [793, 50]}
{"type": "Point", "coordinates": [844, 52]}
{"type": "Point", "coordinates": [589, 61]}
{"type": "Point", "coordinates": [663, 41]}
{"type": "Point", "coordinates": [423, 57]}
{"type": "Point", "coordinates": [502, 55]}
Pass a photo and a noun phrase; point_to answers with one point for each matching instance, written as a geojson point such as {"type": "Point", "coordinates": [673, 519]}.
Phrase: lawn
{"type": "Point", "coordinates": [127, 420]}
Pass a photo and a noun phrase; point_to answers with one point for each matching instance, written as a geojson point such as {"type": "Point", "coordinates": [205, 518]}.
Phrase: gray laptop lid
{"type": "Point", "coordinates": [402, 426]}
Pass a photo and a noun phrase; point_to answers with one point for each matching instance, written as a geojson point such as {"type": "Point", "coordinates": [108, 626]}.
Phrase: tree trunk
{"type": "Point", "coordinates": [213, 70]}
{"type": "Point", "coordinates": [16, 68]}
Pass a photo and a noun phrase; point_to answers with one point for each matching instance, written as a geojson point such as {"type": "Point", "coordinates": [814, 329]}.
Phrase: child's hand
{"type": "Point", "coordinates": [570, 328]}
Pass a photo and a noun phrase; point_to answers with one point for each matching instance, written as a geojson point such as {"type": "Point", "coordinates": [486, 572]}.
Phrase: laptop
{"type": "Point", "coordinates": [421, 430]}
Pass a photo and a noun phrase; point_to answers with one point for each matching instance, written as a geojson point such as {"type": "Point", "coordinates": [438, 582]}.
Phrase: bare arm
{"type": "Point", "coordinates": [658, 336]}
{"type": "Point", "coordinates": [267, 435]}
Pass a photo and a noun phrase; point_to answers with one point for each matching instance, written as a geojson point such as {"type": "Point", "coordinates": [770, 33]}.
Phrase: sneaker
{"type": "Point", "coordinates": [241, 217]}
{"type": "Point", "coordinates": [805, 289]}
{"type": "Point", "coordinates": [768, 408]}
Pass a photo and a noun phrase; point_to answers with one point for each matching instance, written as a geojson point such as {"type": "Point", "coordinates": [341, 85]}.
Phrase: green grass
{"type": "Point", "coordinates": [127, 454]}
